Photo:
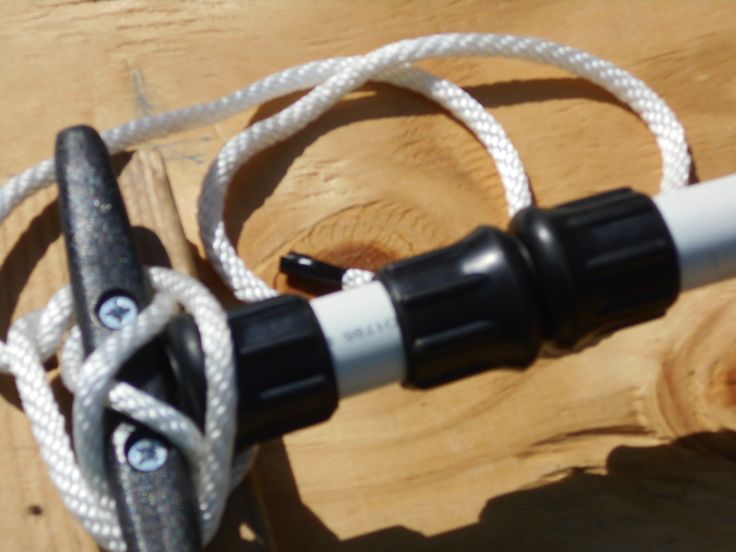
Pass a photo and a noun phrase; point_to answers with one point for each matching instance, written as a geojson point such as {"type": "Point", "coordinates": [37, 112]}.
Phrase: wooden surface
{"type": "Point", "coordinates": [627, 445]}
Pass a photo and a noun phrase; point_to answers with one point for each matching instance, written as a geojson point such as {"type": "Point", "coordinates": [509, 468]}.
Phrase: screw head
{"type": "Point", "coordinates": [147, 454]}
{"type": "Point", "coordinates": [117, 311]}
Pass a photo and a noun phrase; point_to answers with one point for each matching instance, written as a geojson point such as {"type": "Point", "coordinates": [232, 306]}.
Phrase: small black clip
{"type": "Point", "coordinates": [311, 270]}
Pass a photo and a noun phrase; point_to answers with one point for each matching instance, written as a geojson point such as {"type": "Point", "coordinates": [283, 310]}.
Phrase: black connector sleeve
{"type": "Point", "coordinates": [465, 308]}
{"type": "Point", "coordinates": [600, 263]}
{"type": "Point", "coordinates": [285, 376]}
{"type": "Point", "coordinates": [283, 368]}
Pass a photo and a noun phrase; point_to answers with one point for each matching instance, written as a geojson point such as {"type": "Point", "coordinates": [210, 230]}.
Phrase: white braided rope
{"type": "Point", "coordinates": [383, 64]}
{"type": "Point", "coordinates": [79, 475]}
{"type": "Point", "coordinates": [356, 277]}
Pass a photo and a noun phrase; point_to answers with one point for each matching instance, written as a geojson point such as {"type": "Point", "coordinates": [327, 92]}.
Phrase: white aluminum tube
{"type": "Point", "coordinates": [702, 221]}
{"type": "Point", "coordinates": [363, 337]}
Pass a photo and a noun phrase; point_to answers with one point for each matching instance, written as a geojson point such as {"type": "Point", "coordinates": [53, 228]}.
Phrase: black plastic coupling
{"type": "Point", "coordinates": [465, 308]}
{"type": "Point", "coordinates": [284, 372]}
{"type": "Point", "coordinates": [600, 263]}
{"type": "Point", "coordinates": [285, 376]}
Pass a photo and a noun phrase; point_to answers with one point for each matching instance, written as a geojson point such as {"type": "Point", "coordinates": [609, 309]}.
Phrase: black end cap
{"type": "Point", "coordinates": [601, 263]}
{"type": "Point", "coordinates": [285, 376]}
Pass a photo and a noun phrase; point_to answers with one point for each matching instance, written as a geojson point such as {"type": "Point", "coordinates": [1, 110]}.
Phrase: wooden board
{"type": "Point", "coordinates": [624, 446]}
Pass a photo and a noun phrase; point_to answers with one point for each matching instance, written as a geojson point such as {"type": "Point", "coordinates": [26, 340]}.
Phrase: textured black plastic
{"type": "Point", "coordinates": [601, 263]}
{"type": "Point", "coordinates": [158, 509]}
{"type": "Point", "coordinates": [465, 308]}
{"type": "Point", "coordinates": [312, 270]}
{"type": "Point", "coordinates": [285, 376]}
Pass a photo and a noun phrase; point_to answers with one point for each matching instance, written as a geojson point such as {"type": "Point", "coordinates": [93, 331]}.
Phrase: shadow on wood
{"type": "Point", "coordinates": [676, 497]}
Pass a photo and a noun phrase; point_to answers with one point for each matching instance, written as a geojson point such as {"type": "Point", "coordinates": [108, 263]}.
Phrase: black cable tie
{"type": "Point", "coordinates": [311, 270]}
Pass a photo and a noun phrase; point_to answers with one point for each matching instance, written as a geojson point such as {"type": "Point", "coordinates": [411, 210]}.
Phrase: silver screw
{"type": "Point", "coordinates": [147, 454]}
{"type": "Point", "coordinates": [117, 311]}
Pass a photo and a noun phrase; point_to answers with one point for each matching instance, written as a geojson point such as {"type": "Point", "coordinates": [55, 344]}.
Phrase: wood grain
{"type": "Point", "coordinates": [627, 445]}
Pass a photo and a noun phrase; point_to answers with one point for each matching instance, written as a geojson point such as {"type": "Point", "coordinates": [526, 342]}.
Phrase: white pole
{"type": "Point", "coordinates": [363, 336]}
{"type": "Point", "coordinates": [702, 221]}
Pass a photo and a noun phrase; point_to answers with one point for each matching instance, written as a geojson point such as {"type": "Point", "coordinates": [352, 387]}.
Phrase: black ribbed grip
{"type": "Point", "coordinates": [600, 263]}
{"type": "Point", "coordinates": [284, 369]}
{"type": "Point", "coordinates": [465, 308]}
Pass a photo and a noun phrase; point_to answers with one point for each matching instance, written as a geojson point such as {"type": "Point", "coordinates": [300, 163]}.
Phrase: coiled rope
{"type": "Point", "coordinates": [78, 472]}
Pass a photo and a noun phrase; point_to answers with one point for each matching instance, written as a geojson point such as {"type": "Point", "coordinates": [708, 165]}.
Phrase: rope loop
{"type": "Point", "coordinates": [390, 64]}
